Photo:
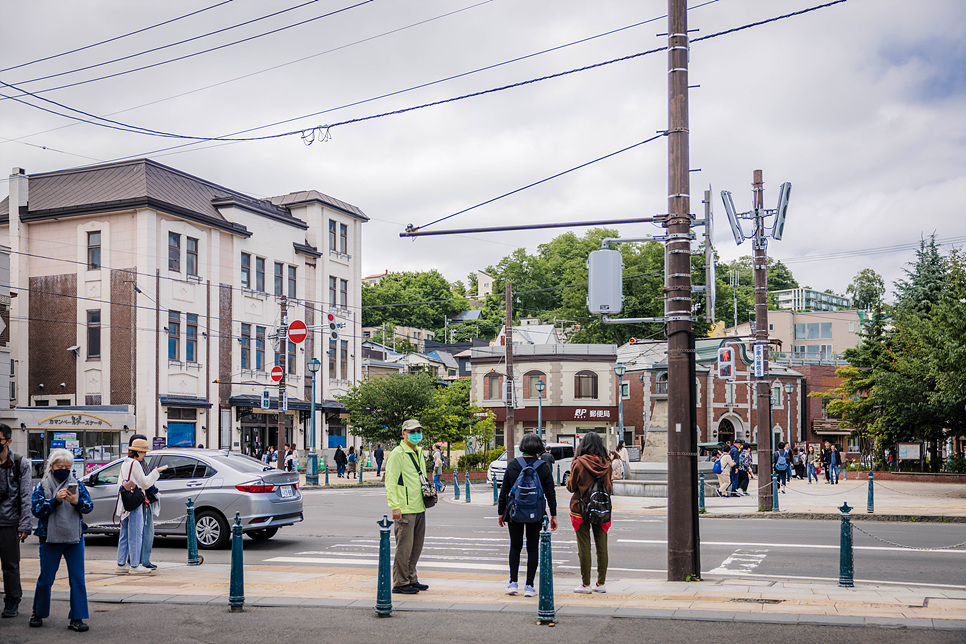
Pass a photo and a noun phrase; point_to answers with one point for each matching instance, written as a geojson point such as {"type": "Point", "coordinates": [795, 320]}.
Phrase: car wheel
{"type": "Point", "coordinates": [212, 530]}
{"type": "Point", "coordinates": [262, 535]}
{"type": "Point", "coordinates": [566, 477]}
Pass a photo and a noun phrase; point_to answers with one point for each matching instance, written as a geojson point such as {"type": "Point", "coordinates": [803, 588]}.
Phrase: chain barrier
{"type": "Point", "coordinates": [886, 487]}
{"type": "Point", "coordinates": [156, 523]}
{"type": "Point", "coordinates": [899, 545]}
{"type": "Point", "coordinates": [835, 493]}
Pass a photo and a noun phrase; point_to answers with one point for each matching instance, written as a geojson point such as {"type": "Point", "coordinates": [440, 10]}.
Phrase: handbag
{"type": "Point", "coordinates": [131, 499]}
{"type": "Point", "coordinates": [429, 490]}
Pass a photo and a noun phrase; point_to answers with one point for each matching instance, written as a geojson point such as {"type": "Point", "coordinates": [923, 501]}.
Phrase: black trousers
{"type": "Point", "coordinates": [516, 546]}
{"type": "Point", "coordinates": [10, 562]}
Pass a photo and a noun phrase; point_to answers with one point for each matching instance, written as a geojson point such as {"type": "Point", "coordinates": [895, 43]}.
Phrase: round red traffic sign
{"type": "Point", "coordinates": [276, 373]}
{"type": "Point", "coordinates": [297, 331]}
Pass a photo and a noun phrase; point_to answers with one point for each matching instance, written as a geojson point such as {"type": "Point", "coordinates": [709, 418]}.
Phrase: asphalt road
{"type": "Point", "coordinates": [340, 529]}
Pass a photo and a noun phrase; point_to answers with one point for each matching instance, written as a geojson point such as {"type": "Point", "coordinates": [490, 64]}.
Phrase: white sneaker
{"type": "Point", "coordinates": [122, 570]}
{"type": "Point", "coordinates": [600, 588]}
{"type": "Point", "coordinates": [512, 588]}
{"type": "Point", "coordinates": [529, 591]}
{"type": "Point", "coordinates": [139, 570]}
{"type": "Point", "coordinates": [586, 590]}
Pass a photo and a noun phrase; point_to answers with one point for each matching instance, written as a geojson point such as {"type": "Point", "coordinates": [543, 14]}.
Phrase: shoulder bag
{"type": "Point", "coordinates": [131, 499]}
{"type": "Point", "coordinates": [429, 490]}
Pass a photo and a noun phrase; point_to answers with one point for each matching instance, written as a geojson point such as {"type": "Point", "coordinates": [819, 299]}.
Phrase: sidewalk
{"type": "Point", "coordinates": [725, 598]}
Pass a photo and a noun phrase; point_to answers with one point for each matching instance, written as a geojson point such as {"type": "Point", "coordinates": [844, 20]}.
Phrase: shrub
{"type": "Point", "coordinates": [956, 465]}
{"type": "Point", "coordinates": [480, 461]}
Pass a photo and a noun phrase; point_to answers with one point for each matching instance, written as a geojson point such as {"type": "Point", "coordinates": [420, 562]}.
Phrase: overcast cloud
{"type": "Point", "coordinates": [862, 106]}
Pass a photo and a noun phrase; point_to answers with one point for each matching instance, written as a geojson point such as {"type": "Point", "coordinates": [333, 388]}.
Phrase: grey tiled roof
{"type": "Point", "coordinates": [305, 196]}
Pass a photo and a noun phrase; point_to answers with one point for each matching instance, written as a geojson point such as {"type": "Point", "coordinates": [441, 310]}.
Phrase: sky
{"type": "Point", "coordinates": [861, 106]}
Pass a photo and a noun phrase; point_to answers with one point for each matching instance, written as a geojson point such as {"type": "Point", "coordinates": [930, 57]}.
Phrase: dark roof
{"type": "Point", "coordinates": [139, 183]}
{"type": "Point", "coordinates": [308, 196]}
{"type": "Point", "coordinates": [306, 249]}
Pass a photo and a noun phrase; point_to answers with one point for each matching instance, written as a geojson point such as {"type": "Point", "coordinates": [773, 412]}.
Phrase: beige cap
{"type": "Point", "coordinates": [139, 445]}
{"type": "Point", "coordinates": [410, 425]}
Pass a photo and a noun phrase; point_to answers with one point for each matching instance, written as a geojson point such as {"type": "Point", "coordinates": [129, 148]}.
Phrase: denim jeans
{"type": "Point", "coordinates": [812, 473]}
{"type": "Point", "coordinates": [833, 473]}
{"type": "Point", "coordinates": [73, 554]}
{"type": "Point", "coordinates": [378, 467]}
{"type": "Point", "coordinates": [437, 482]}
{"type": "Point", "coordinates": [147, 538]}
{"type": "Point", "coordinates": [129, 541]}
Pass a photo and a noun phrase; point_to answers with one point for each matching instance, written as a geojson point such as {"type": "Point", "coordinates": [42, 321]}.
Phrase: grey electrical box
{"type": "Point", "coordinates": [605, 282]}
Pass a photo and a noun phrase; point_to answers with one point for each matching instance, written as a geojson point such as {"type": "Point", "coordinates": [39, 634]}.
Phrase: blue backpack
{"type": "Point", "coordinates": [527, 500]}
{"type": "Point", "coordinates": [781, 464]}
{"type": "Point", "coordinates": [717, 467]}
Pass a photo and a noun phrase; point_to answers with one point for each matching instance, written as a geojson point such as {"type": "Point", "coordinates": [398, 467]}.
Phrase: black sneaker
{"type": "Point", "coordinates": [419, 586]}
{"type": "Point", "coordinates": [78, 625]}
{"type": "Point", "coordinates": [35, 621]}
{"type": "Point", "coordinates": [408, 589]}
{"type": "Point", "coordinates": [10, 608]}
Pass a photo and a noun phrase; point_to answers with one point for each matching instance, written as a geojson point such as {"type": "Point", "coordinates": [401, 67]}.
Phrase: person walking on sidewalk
{"type": "Point", "coordinates": [378, 454]}
{"type": "Point", "coordinates": [16, 522]}
{"type": "Point", "coordinates": [590, 463]}
{"type": "Point", "coordinates": [151, 510]}
{"type": "Point", "coordinates": [438, 469]}
{"type": "Point", "coordinates": [351, 460]}
{"type": "Point", "coordinates": [811, 460]}
{"type": "Point", "coordinates": [132, 522]}
{"type": "Point", "coordinates": [340, 461]}
{"type": "Point", "coordinates": [726, 467]}
{"type": "Point", "coordinates": [834, 463]}
{"type": "Point", "coordinates": [826, 460]}
{"type": "Point", "coordinates": [531, 448]}
{"type": "Point", "coordinates": [59, 501]}
{"type": "Point", "coordinates": [744, 470]}
{"type": "Point", "coordinates": [405, 475]}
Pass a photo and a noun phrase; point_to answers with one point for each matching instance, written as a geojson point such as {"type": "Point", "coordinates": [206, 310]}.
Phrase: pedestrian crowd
{"type": "Point", "coordinates": [734, 468]}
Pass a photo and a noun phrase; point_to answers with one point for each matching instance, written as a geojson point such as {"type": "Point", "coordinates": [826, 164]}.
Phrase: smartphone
{"type": "Point", "coordinates": [72, 489]}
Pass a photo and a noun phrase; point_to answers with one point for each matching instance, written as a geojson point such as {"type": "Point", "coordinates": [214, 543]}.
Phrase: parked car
{"type": "Point", "coordinates": [219, 482]}
{"type": "Point", "coordinates": [563, 455]}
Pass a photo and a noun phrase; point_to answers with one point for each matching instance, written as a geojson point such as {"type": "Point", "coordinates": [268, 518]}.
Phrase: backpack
{"type": "Point", "coordinates": [527, 501]}
{"type": "Point", "coordinates": [796, 459]}
{"type": "Point", "coordinates": [717, 467]}
{"type": "Point", "coordinates": [782, 463]}
{"type": "Point", "coordinates": [595, 505]}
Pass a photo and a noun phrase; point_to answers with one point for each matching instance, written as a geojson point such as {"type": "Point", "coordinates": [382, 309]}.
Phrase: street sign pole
{"type": "Point", "coordinates": [282, 338]}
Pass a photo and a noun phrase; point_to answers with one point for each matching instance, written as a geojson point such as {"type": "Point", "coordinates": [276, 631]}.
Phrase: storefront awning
{"type": "Point", "coordinates": [294, 404]}
{"type": "Point", "coordinates": [184, 401]}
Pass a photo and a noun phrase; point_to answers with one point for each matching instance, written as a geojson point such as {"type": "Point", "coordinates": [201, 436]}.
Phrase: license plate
{"type": "Point", "coordinates": [287, 491]}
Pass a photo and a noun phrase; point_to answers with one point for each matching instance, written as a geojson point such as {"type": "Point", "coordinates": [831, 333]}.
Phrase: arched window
{"type": "Point", "coordinates": [661, 383]}
{"type": "Point", "coordinates": [493, 386]}
{"type": "Point", "coordinates": [585, 384]}
{"type": "Point", "coordinates": [530, 380]}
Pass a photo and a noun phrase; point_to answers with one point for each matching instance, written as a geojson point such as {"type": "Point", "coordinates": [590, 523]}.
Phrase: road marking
{"type": "Point", "coordinates": [741, 562]}
{"type": "Point", "coordinates": [375, 562]}
{"type": "Point", "coordinates": [739, 544]}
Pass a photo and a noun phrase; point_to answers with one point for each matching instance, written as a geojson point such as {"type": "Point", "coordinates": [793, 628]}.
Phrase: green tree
{"type": "Point", "coordinates": [866, 289]}
{"type": "Point", "coordinates": [450, 417]}
{"type": "Point", "coordinates": [421, 300]}
{"type": "Point", "coordinates": [377, 407]}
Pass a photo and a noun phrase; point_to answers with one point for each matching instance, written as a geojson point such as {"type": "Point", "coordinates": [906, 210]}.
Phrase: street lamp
{"type": "Point", "coordinates": [312, 475]}
{"type": "Point", "coordinates": [789, 388]}
{"type": "Point", "coordinates": [541, 385]}
{"type": "Point", "coordinates": [620, 370]}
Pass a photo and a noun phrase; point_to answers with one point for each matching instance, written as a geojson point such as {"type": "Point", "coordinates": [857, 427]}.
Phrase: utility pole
{"type": "Point", "coordinates": [683, 557]}
{"type": "Point", "coordinates": [763, 409]}
{"type": "Point", "coordinates": [508, 426]}
{"type": "Point", "coordinates": [281, 338]}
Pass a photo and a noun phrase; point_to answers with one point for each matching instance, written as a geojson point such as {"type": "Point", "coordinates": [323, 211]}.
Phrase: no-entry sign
{"type": "Point", "coordinates": [297, 331]}
{"type": "Point", "coordinates": [276, 373]}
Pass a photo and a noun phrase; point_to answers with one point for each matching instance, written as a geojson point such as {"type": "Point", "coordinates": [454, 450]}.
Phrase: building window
{"type": "Point", "coordinates": [851, 327]}
{"type": "Point", "coordinates": [332, 234]}
{"type": "Point", "coordinates": [344, 293]}
{"type": "Point", "coordinates": [530, 380]}
{"type": "Point", "coordinates": [94, 334]}
{"type": "Point", "coordinates": [174, 252]}
{"type": "Point", "coordinates": [332, 358]}
{"type": "Point", "coordinates": [661, 387]}
{"type": "Point", "coordinates": [291, 282]}
{"type": "Point", "coordinates": [191, 256]}
{"type": "Point", "coordinates": [94, 250]}
{"type": "Point", "coordinates": [246, 344]}
{"type": "Point", "coordinates": [260, 274]}
{"type": "Point", "coordinates": [191, 337]}
{"type": "Point", "coordinates": [279, 278]}
{"type": "Point", "coordinates": [826, 330]}
{"type": "Point", "coordinates": [260, 348]}
{"type": "Point", "coordinates": [246, 270]}
{"type": "Point", "coordinates": [174, 335]}
{"type": "Point", "coordinates": [776, 396]}
{"type": "Point", "coordinates": [799, 331]}
{"type": "Point", "coordinates": [585, 384]}
{"type": "Point", "coordinates": [493, 387]}
{"type": "Point", "coordinates": [343, 239]}
{"type": "Point", "coordinates": [344, 359]}
{"type": "Point", "coordinates": [290, 359]}
{"type": "Point", "coordinates": [729, 393]}
{"type": "Point", "coordinates": [332, 285]}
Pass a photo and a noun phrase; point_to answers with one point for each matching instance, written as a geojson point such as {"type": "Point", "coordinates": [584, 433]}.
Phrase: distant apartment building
{"type": "Point", "coordinates": [389, 335]}
{"type": "Point", "coordinates": [807, 299]}
{"type": "Point", "coordinates": [809, 336]}
{"type": "Point", "coordinates": [484, 284]}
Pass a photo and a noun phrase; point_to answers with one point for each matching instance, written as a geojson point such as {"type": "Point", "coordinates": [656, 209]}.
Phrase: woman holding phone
{"type": "Point", "coordinates": [132, 522]}
{"type": "Point", "coordinates": [58, 502]}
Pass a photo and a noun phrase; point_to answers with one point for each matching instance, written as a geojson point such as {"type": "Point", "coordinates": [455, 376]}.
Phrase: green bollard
{"type": "Point", "coordinates": [456, 485]}
{"type": "Point", "coordinates": [467, 486]}
{"type": "Point", "coordinates": [845, 548]}
{"type": "Point", "coordinates": [558, 475]}
{"type": "Point", "coordinates": [774, 493]}
{"type": "Point", "coordinates": [384, 584]}
{"type": "Point", "coordinates": [236, 591]}
{"type": "Point", "coordinates": [545, 608]}
{"type": "Point", "coordinates": [870, 508]}
{"type": "Point", "coordinates": [361, 468]}
{"type": "Point", "coordinates": [192, 532]}
{"type": "Point", "coordinates": [701, 508]}
{"type": "Point", "coordinates": [496, 494]}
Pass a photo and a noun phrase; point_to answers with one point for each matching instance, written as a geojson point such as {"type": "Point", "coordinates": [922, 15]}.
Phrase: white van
{"type": "Point", "coordinates": [563, 455]}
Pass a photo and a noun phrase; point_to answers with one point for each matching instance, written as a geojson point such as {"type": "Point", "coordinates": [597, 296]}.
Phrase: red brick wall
{"type": "Point", "coordinates": [52, 329]}
{"type": "Point", "coordinates": [123, 349]}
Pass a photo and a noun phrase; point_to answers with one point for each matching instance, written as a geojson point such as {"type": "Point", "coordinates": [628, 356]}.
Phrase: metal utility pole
{"type": "Point", "coordinates": [508, 426]}
{"type": "Point", "coordinates": [762, 389]}
{"type": "Point", "coordinates": [683, 558]}
{"type": "Point", "coordinates": [282, 339]}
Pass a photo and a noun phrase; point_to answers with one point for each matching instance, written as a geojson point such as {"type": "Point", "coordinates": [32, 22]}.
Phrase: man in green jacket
{"type": "Point", "coordinates": [405, 471]}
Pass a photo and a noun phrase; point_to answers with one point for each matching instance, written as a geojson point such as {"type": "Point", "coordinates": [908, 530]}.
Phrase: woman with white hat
{"type": "Point", "coordinates": [132, 476]}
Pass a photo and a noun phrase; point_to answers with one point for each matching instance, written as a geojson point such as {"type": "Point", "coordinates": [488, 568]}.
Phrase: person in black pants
{"type": "Point", "coordinates": [531, 448]}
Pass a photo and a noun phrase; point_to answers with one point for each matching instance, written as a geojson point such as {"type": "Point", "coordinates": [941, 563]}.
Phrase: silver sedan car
{"type": "Point", "coordinates": [219, 482]}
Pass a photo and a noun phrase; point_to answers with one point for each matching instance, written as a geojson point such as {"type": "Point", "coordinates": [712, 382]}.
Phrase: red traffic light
{"type": "Point", "coordinates": [330, 317]}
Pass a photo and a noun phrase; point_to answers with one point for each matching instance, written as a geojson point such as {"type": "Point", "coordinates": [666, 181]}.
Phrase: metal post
{"type": "Point", "coordinates": [558, 474]}
{"type": "Point", "coordinates": [312, 470]}
{"type": "Point", "coordinates": [845, 548]}
{"type": "Point", "coordinates": [193, 558]}
{"type": "Point", "coordinates": [383, 585]}
{"type": "Point", "coordinates": [871, 506]}
{"type": "Point", "coordinates": [762, 391]}
{"type": "Point", "coordinates": [467, 486]}
{"type": "Point", "coordinates": [236, 591]}
{"type": "Point", "coordinates": [326, 473]}
{"type": "Point", "coordinates": [362, 465]}
{"type": "Point", "coordinates": [510, 425]}
{"type": "Point", "coordinates": [456, 484]}
{"type": "Point", "coordinates": [496, 494]}
{"type": "Point", "coordinates": [540, 411]}
{"type": "Point", "coordinates": [774, 493]}
{"type": "Point", "coordinates": [281, 339]}
{"type": "Point", "coordinates": [546, 613]}
{"type": "Point", "coordinates": [701, 507]}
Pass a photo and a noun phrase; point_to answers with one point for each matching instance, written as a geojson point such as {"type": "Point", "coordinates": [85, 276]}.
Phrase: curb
{"type": "Point", "coordinates": [829, 516]}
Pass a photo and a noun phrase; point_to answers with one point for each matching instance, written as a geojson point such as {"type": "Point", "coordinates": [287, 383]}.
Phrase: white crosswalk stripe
{"type": "Point", "coordinates": [741, 562]}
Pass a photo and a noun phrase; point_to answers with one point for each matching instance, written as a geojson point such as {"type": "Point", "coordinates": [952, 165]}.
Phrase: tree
{"type": "Point", "coordinates": [422, 300]}
{"type": "Point", "coordinates": [866, 289]}
{"type": "Point", "coordinates": [377, 407]}
{"type": "Point", "coordinates": [450, 417]}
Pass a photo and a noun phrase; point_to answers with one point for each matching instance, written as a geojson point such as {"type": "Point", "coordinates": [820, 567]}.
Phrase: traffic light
{"type": "Point", "coordinates": [266, 399]}
{"type": "Point", "coordinates": [726, 362]}
{"type": "Point", "coordinates": [333, 327]}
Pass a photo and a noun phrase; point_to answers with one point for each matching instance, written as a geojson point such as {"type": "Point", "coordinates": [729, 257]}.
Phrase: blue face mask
{"type": "Point", "coordinates": [415, 437]}
{"type": "Point", "coordinates": [60, 475]}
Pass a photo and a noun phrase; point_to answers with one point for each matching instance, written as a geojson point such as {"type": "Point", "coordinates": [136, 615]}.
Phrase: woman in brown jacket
{"type": "Point", "coordinates": [590, 461]}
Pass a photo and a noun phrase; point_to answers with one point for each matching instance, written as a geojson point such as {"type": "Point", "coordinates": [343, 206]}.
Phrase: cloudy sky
{"type": "Point", "coordinates": [862, 106]}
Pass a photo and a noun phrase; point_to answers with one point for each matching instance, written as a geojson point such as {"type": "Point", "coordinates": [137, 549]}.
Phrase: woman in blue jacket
{"type": "Point", "coordinates": [58, 502]}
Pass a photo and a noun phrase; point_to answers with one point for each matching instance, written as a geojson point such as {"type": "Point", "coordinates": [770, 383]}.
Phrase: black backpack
{"type": "Point", "coordinates": [527, 500]}
{"type": "Point", "coordinates": [595, 505]}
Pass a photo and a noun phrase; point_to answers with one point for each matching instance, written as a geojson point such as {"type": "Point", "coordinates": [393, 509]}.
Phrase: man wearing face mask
{"type": "Point", "coordinates": [16, 521]}
{"type": "Point", "coordinates": [405, 472]}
